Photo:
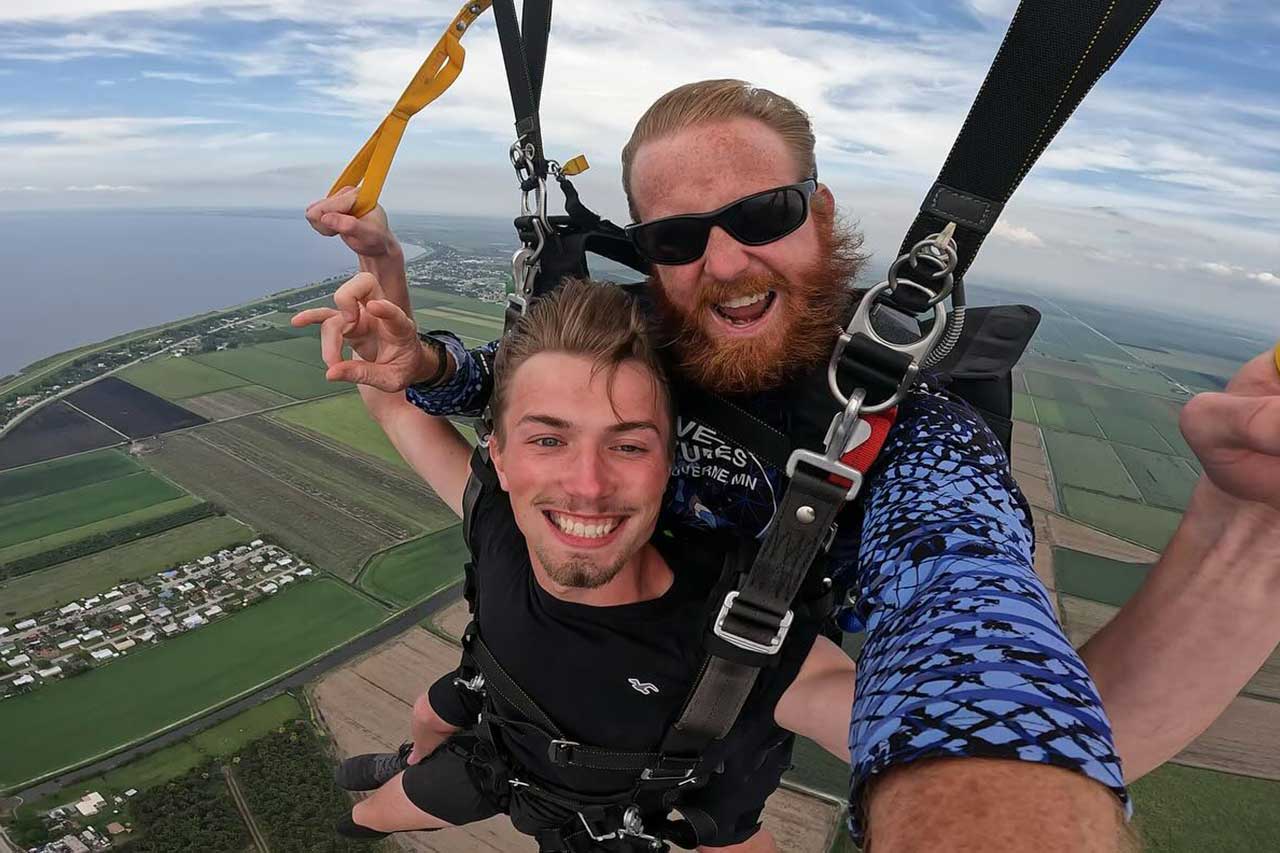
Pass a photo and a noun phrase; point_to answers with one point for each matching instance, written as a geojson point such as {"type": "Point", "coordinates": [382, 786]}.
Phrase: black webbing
{"type": "Point", "coordinates": [1052, 55]}
{"type": "Point", "coordinates": [524, 54]}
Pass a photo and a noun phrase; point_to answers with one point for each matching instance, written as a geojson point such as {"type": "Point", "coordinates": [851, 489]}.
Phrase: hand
{"type": "Point", "coordinates": [382, 336]}
{"type": "Point", "coordinates": [1236, 434]}
{"type": "Point", "coordinates": [369, 236]}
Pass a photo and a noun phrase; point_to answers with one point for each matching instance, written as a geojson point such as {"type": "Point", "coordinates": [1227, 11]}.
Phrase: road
{"type": "Point", "coordinates": [259, 840]}
{"type": "Point", "coordinates": [333, 660]}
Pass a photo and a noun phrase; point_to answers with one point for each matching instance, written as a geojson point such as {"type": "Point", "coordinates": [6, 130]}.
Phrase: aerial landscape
{"type": "Point", "coordinates": [214, 568]}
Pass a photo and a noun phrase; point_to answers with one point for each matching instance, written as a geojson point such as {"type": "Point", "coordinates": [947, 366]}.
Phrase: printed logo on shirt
{"type": "Point", "coordinates": [643, 687]}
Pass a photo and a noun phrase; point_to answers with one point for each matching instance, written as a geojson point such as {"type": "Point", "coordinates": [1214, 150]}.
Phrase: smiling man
{"type": "Point", "coordinates": [599, 640]}
{"type": "Point", "coordinates": [964, 657]}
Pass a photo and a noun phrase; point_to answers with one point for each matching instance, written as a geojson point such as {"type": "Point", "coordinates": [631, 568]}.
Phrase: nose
{"type": "Point", "coordinates": [725, 259]}
{"type": "Point", "coordinates": [586, 477]}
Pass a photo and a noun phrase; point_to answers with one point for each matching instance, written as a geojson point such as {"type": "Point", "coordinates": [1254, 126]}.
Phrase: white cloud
{"type": "Point", "coordinates": [1265, 277]}
{"type": "Point", "coordinates": [104, 188]}
{"type": "Point", "coordinates": [186, 77]}
{"type": "Point", "coordinates": [23, 189]}
{"type": "Point", "coordinates": [1218, 268]}
{"type": "Point", "coordinates": [1016, 234]}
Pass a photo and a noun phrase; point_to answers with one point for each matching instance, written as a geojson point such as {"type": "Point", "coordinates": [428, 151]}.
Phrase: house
{"type": "Point", "coordinates": [115, 828]}
{"type": "Point", "coordinates": [73, 607]}
{"type": "Point", "coordinates": [257, 543]}
{"type": "Point", "coordinates": [161, 613]}
{"type": "Point", "coordinates": [102, 654]}
{"type": "Point", "coordinates": [124, 645]}
{"type": "Point", "coordinates": [23, 680]}
{"type": "Point", "coordinates": [268, 587]}
{"type": "Point", "coordinates": [93, 602]}
{"type": "Point", "coordinates": [284, 579]}
{"type": "Point", "coordinates": [115, 593]}
{"type": "Point", "coordinates": [136, 618]}
{"type": "Point", "coordinates": [66, 644]}
{"type": "Point", "coordinates": [270, 567]}
{"type": "Point", "coordinates": [186, 586]}
{"type": "Point", "coordinates": [3, 631]}
{"type": "Point", "coordinates": [284, 561]}
{"type": "Point", "coordinates": [50, 672]}
{"type": "Point", "coordinates": [24, 625]}
{"type": "Point", "coordinates": [169, 629]}
{"type": "Point", "coordinates": [193, 621]}
{"type": "Point", "coordinates": [146, 636]}
{"type": "Point", "coordinates": [124, 608]}
{"type": "Point", "coordinates": [73, 844]}
{"type": "Point", "coordinates": [302, 573]}
{"type": "Point", "coordinates": [19, 660]}
{"type": "Point", "coordinates": [132, 792]}
{"type": "Point", "coordinates": [91, 635]}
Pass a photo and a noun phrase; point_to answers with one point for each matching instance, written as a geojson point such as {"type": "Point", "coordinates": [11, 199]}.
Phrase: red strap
{"type": "Point", "coordinates": [862, 457]}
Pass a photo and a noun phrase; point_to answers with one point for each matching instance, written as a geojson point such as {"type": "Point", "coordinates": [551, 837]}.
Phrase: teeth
{"type": "Point", "coordinates": [743, 301]}
{"type": "Point", "coordinates": [586, 531]}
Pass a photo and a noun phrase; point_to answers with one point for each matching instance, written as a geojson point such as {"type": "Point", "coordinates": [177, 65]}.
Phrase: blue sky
{"type": "Point", "coordinates": [1165, 187]}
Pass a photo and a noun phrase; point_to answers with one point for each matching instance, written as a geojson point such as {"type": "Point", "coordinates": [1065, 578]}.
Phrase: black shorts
{"type": "Point", "coordinates": [457, 783]}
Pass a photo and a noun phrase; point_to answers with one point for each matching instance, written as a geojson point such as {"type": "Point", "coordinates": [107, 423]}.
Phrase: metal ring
{"type": "Point", "coordinates": [935, 297]}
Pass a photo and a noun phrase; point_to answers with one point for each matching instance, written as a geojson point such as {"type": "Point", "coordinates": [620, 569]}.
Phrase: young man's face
{"type": "Point", "coordinates": [742, 315]}
{"type": "Point", "coordinates": [585, 460]}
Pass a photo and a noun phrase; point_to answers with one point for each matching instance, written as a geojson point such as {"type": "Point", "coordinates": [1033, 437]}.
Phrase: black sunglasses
{"type": "Point", "coordinates": [755, 220]}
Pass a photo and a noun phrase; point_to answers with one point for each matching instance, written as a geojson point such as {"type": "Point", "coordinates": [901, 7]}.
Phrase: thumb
{"type": "Point", "coordinates": [1217, 421]}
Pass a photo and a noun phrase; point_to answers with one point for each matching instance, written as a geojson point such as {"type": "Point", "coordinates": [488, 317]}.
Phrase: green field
{"type": "Point", "coordinates": [54, 513]}
{"type": "Point", "coordinates": [172, 761]}
{"type": "Point", "coordinates": [343, 418]}
{"type": "Point", "coordinates": [177, 378]}
{"type": "Point", "coordinates": [97, 572]}
{"type": "Point", "coordinates": [1169, 431]}
{"type": "Point", "coordinates": [1087, 463]}
{"type": "Point", "coordinates": [1146, 525]}
{"type": "Point", "coordinates": [1164, 480]}
{"type": "Point", "coordinates": [1137, 379]}
{"type": "Point", "coordinates": [1128, 430]}
{"type": "Point", "coordinates": [276, 372]}
{"type": "Point", "coordinates": [1189, 810]}
{"type": "Point", "coordinates": [1024, 409]}
{"type": "Point", "coordinates": [1097, 578]}
{"type": "Point", "coordinates": [1051, 387]}
{"type": "Point", "coordinates": [413, 570]}
{"type": "Point", "coordinates": [48, 478]}
{"type": "Point", "coordinates": [305, 349]}
{"type": "Point", "coordinates": [84, 531]}
{"type": "Point", "coordinates": [1069, 417]}
{"type": "Point", "coordinates": [69, 722]}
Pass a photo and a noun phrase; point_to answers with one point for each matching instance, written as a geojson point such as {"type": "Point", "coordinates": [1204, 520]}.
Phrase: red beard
{"type": "Point", "coordinates": [802, 339]}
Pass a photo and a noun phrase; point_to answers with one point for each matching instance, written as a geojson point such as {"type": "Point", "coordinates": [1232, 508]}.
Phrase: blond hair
{"type": "Point", "coordinates": [721, 100]}
{"type": "Point", "coordinates": [595, 320]}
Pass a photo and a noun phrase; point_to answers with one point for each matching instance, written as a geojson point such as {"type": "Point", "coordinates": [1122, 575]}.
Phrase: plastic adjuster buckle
{"type": "Point", "coordinates": [560, 752]}
{"type": "Point", "coordinates": [661, 774]}
{"type": "Point", "coordinates": [833, 467]}
{"type": "Point", "coordinates": [769, 648]}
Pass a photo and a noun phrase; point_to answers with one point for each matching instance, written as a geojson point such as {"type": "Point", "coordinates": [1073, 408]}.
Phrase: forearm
{"type": "Point", "coordinates": [432, 446]}
{"type": "Point", "coordinates": [1204, 620]}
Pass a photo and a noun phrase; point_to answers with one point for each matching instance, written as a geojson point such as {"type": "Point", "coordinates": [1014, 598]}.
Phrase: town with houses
{"type": "Point", "coordinates": [67, 640]}
{"type": "Point", "coordinates": [72, 821]}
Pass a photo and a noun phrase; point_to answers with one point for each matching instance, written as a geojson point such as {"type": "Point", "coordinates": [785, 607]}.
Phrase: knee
{"type": "Point", "coordinates": [422, 711]}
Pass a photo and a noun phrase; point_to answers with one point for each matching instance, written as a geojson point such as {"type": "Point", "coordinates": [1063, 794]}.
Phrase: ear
{"type": "Point", "coordinates": [495, 456]}
{"type": "Point", "coordinates": [823, 201]}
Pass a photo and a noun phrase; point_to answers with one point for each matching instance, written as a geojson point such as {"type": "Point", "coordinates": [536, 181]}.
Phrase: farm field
{"type": "Point", "coordinates": [343, 418]}
{"type": "Point", "coordinates": [262, 367]}
{"type": "Point", "coordinates": [178, 378]}
{"type": "Point", "coordinates": [1124, 429]}
{"type": "Point", "coordinates": [303, 523]}
{"type": "Point", "coordinates": [1189, 810]}
{"type": "Point", "coordinates": [1147, 525]}
{"type": "Point", "coordinates": [1087, 463]}
{"type": "Point", "coordinates": [413, 570]}
{"type": "Point", "coordinates": [84, 531]}
{"type": "Point", "coordinates": [1164, 480]}
{"type": "Point", "coordinates": [1097, 578]}
{"type": "Point", "coordinates": [130, 410]}
{"type": "Point", "coordinates": [84, 576]}
{"type": "Point", "coordinates": [44, 516]}
{"type": "Point", "coordinates": [305, 350]}
{"type": "Point", "coordinates": [54, 431]}
{"type": "Point", "coordinates": [37, 481]}
{"type": "Point", "coordinates": [172, 761]}
{"type": "Point", "coordinates": [391, 499]}
{"type": "Point", "coordinates": [233, 402]}
{"type": "Point", "coordinates": [156, 687]}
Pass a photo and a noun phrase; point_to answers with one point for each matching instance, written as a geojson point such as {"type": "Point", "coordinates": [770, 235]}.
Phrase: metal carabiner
{"type": "Point", "coordinates": [861, 323]}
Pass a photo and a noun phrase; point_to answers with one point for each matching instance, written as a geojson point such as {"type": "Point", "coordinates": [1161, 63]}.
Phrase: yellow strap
{"type": "Point", "coordinates": [369, 167]}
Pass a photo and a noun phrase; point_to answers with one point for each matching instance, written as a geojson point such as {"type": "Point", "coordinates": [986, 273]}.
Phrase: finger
{"type": "Point", "coordinates": [331, 338]}
{"type": "Point", "coordinates": [338, 203]}
{"type": "Point", "coordinates": [361, 373]}
{"type": "Point", "coordinates": [1214, 421]}
{"type": "Point", "coordinates": [311, 316]}
{"type": "Point", "coordinates": [357, 290]}
{"type": "Point", "coordinates": [395, 318]}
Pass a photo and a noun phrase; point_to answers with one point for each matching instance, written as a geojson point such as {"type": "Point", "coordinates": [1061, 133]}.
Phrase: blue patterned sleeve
{"type": "Point", "coordinates": [467, 391]}
{"type": "Point", "coordinates": [963, 655]}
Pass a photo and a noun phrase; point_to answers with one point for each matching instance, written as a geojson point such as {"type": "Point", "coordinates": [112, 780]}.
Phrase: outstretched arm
{"type": "Point", "coordinates": [817, 703]}
{"type": "Point", "coordinates": [1204, 620]}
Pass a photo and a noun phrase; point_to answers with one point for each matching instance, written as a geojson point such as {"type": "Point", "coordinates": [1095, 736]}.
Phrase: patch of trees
{"type": "Point", "coordinates": [287, 780]}
{"type": "Point", "coordinates": [107, 539]}
{"type": "Point", "coordinates": [238, 336]}
{"type": "Point", "coordinates": [192, 812]}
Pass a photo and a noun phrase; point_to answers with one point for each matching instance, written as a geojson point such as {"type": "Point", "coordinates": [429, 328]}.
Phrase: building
{"type": "Point", "coordinates": [124, 645]}
{"type": "Point", "coordinates": [213, 611]}
{"type": "Point", "coordinates": [19, 660]}
{"type": "Point", "coordinates": [89, 636]}
{"type": "Point", "coordinates": [257, 543]}
{"type": "Point", "coordinates": [23, 680]}
{"type": "Point", "coordinates": [50, 672]}
{"type": "Point", "coordinates": [302, 573]}
{"type": "Point", "coordinates": [73, 607]}
{"type": "Point", "coordinates": [102, 654]}
{"type": "Point", "coordinates": [72, 844]}
{"type": "Point", "coordinates": [24, 625]}
{"type": "Point", "coordinates": [193, 621]}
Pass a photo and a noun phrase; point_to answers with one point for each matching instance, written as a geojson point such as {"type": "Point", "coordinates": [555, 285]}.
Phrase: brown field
{"type": "Point", "coordinates": [234, 402]}
{"type": "Point", "coordinates": [366, 706]}
{"type": "Point", "coordinates": [452, 621]}
{"type": "Point", "coordinates": [1065, 533]}
{"type": "Point", "coordinates": [1244, 740]}
{"type": "Point", "coordinates": [298, 521]}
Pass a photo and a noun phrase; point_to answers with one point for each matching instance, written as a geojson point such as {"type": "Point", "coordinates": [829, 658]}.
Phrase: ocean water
{"type": "Point", "coordinates": [72, 278]}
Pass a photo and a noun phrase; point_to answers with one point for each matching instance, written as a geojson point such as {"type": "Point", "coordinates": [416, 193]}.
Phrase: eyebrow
{"type": "Point", "coordinates": [561, 423]}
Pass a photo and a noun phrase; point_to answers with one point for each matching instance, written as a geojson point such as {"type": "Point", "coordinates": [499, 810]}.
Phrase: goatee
{"type": "Point", "coordinates": [813, 308]}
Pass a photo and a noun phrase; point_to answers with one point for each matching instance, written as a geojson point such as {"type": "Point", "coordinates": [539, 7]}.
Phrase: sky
{"type": "Point", "coordinates": [1163, 189]}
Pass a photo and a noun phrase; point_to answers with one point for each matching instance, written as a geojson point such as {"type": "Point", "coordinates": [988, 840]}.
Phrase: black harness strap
{"type": "Point", "coordinates": [1052, 55]}
{"type": "Point", "coordinates": [524, 53]}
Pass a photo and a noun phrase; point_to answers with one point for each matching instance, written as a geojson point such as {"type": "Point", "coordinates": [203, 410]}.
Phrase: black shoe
{"type": "Point", "coordinates": [348, 828]}
{"type": "Point", "coordinates": [372, 770]}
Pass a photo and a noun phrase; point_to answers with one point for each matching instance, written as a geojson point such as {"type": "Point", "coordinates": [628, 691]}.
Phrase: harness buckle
{"type": "Point", "coordinates": [745, 643]}
{"type": "Point", "coordinates": [475, 683]}
{"type": "Point", "coordinates": [844, 433]}
{"type": "Point", "coordinates": [560, 752]}
{"type": "Point", "coordinates": [658, 774]}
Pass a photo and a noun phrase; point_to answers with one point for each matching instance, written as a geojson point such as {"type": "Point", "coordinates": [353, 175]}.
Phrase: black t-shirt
{"type": "Point", "coordinates": [608, 676]}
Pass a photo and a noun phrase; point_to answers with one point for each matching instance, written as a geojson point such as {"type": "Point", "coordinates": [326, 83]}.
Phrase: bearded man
{"type": "Point", "coordinates": [964, 657]}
